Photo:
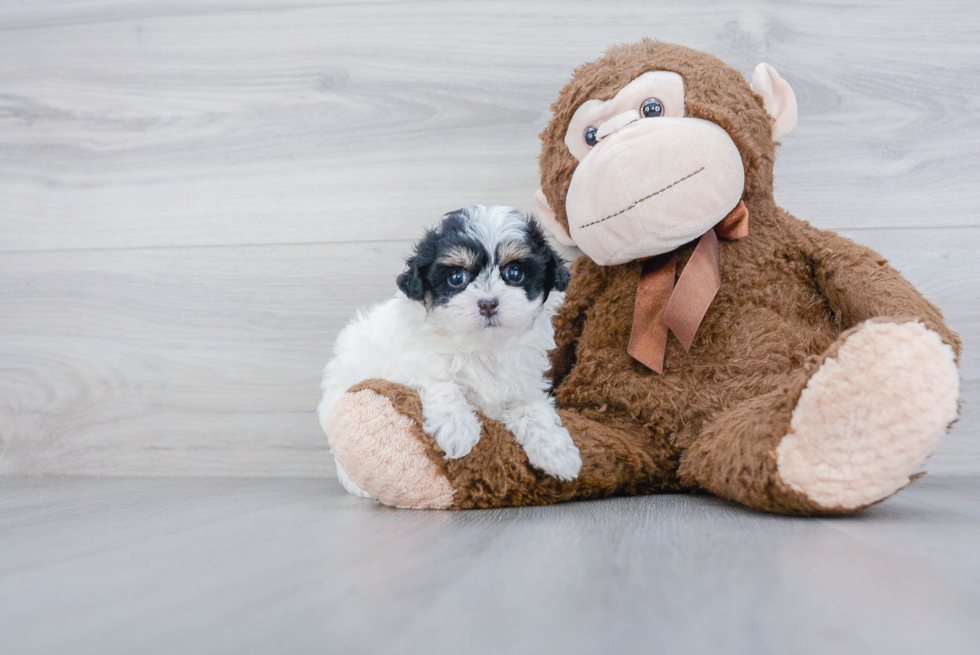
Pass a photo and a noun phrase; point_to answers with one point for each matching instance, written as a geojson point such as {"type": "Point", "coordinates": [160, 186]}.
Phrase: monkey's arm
{"type": "Point", "coordinates": [860, 285]}
{"type": "Point", "coordinates": [570, 320]}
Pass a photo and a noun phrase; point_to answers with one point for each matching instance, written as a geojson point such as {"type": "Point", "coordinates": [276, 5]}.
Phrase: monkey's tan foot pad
{"type": "Point", "coordinates": [870, 415]}
{"type": "Point", "coordinates": [384, 452]}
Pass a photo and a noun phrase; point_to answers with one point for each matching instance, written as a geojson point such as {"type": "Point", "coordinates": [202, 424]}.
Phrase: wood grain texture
{"type": "Point", "coordinates": [160, 123]}
{"type": "Point", "coordinates": [194, 197]}
{"type": "Point", "coordinates": [187, 361]}
{"type": "Point", "coordinates": [297, 566]}
{"type": "Point", "coordinates": [176, 360]}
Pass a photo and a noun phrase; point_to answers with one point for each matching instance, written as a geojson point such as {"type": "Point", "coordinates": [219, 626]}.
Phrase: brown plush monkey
{"type": "Point", "coordinates": [709, 340]}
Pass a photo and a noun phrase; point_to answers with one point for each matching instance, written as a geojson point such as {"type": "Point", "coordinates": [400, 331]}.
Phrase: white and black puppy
{"type": "Point", "coordinates": [470, 329]}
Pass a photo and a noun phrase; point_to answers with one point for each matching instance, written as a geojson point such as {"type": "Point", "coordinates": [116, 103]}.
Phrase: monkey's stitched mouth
{"type": "Point", "coordinates": [644, 198]}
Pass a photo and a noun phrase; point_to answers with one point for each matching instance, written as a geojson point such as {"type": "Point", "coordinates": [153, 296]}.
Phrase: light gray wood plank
{"type": "Point", "coordinates": [206, 361]}
{"type": "Point", "coordinates": [163, 123]}
{"type": "Point", "coordinates": [132, 134]}
{"type": "Point", "coordinates": [289, 566]}
{"type": "Point", "coordinates": [176, 361]}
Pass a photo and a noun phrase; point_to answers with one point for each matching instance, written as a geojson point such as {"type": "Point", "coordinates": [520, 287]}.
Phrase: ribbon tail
{"type": "Point", "coordinates": [736, 224]}
{"type": "Point", "coordinates": [648, 338]}
{"type": "Point", "coordinates": [660, 307]}
{"type": "Point", "coordinates": [696, 288]}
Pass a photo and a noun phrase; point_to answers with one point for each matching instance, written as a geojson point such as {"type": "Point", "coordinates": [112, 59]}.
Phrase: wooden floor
{"type": "Point", "coordinates": [157, 565]}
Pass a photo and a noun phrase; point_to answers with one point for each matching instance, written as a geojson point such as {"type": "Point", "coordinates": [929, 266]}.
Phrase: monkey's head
{"type": "Point", "coordinates": [653, 144]}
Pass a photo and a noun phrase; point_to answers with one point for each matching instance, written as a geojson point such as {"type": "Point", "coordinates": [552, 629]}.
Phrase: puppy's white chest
{"type": "Point", "coordinates": [490, 383]}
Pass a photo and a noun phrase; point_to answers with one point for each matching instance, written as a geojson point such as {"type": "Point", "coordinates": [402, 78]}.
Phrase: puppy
{"type": "Point", "coordinates": [469, 329]}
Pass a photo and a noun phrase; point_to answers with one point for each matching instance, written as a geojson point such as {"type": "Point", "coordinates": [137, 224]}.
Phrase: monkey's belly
{"type": "Point", "coordinates": [759, 351]}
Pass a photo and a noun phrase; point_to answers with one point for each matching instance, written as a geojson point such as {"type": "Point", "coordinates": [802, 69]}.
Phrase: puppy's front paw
{"type": "Point", "coordinates": [456, 429]}
{"type": "Point", "coordinates": [553, 452]}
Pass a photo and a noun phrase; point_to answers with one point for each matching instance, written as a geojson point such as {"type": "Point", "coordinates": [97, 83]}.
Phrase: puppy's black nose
{"type": "Point", "coordinates": [488, 306]}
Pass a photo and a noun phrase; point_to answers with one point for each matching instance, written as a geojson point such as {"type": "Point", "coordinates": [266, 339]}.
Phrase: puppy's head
{"type": "Point", "coordinates": [484, 270]}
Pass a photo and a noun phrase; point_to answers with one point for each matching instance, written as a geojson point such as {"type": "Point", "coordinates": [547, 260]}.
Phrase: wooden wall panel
{"type": "Point", "coordinates": [195, 196]}
{"type": "Point", "coordinates": [176, 360]}
{"type": "Point", "coordinates": [207, 360]}
{"type": "Point", "coordinates": [163, 123]}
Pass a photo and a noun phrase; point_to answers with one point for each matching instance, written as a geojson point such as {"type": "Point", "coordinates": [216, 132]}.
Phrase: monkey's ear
{"type": "Point", "coordinates": [547, 217]}
{"type": "Point", "coordinates": [778, 99]}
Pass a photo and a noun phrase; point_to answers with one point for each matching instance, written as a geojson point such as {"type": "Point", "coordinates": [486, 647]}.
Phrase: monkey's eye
{"type": "Point", "coordinates": [457, 278]}
{"type": "Point", "coordinates": [513, 274]}
{"type": "Point", "coordinates": [591, 136]}
{"type": "Point", "coordinates": [651, 108]}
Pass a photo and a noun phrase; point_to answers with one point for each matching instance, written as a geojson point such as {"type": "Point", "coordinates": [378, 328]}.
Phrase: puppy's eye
{"type": "Point", "coordinates": [591, 136]}
{"type": "Point", "coordinates": [513, 274]}
{"type": "Point", "coordinates": [457, 278]}
{"type": "Point", "coordinates": [651, 108]}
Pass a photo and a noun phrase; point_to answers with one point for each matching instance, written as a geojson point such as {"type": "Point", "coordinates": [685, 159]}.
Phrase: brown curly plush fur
{"type": "Point", "coordinates": [790, 296]}
{"type": "Point", "coordinates": [789, 293]}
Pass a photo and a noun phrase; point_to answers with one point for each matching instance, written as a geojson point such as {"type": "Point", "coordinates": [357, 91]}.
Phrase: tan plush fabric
{"type": "Point", "coordinates": [621, 210]}
{"type": "Point", "coordinates": [870, 415]}
{"type": "Point", "coordinates": [777, 98]}
{"type": "Point", "coordinates": [790, 300]}
{"type": "Point", "coordinates": [386, 452]}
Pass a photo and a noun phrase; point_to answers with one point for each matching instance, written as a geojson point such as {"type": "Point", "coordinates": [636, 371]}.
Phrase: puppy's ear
{"type": "Point", "coordinates": [412, 282]}
{"type": "Point", "coordinates": [562, 273]}
{"type": "Point", "coordinates": [557, 276]}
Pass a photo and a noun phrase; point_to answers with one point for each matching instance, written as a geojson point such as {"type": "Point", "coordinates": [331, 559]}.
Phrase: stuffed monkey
{"type": "Point", "coordinates": [709, 340]}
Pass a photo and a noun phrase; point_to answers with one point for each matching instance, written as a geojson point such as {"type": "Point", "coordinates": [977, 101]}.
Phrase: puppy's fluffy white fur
{"type": "Point", "coordinates": [457, 357]}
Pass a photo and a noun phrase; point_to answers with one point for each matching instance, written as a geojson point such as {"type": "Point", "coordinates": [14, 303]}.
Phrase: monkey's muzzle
{"type": "Point", "coordinates": [652, 186]}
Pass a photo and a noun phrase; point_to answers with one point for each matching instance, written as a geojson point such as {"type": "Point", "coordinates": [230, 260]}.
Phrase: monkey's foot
{"type": "Point", "coordinates": [383, 451]}
{"type": "Point", "coordinates": [870, 415]}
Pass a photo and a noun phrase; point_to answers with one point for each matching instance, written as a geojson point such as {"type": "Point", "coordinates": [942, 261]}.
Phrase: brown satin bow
{"type": "Point", "coordinates": [661, 306]}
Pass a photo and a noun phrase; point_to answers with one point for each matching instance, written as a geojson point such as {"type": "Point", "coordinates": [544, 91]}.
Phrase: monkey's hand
{"type": "Point", "coordinates": [861, 285]}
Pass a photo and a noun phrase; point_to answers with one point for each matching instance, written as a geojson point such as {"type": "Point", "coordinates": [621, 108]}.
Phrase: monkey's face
{"type": "Point", "coordinates": [649, 179]}
{"type": "Point", "coordinates": [654, 144]}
